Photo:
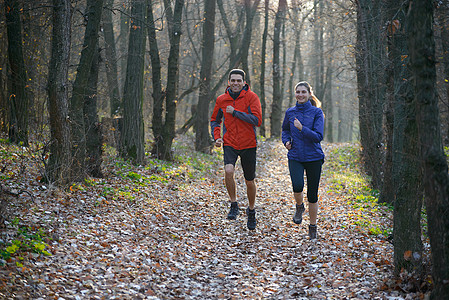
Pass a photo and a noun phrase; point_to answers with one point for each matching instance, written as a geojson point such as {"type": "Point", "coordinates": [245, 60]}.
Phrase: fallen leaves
{"type": "Point", "coordinates": [172, 240]}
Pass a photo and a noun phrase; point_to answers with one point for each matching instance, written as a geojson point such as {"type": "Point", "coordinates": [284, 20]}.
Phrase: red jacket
{"type": "Point", "coordinates": [239, 128]}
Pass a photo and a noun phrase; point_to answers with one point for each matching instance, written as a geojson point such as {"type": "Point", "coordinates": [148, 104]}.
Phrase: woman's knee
{"type": "Point", "coordinates": [298, 188]}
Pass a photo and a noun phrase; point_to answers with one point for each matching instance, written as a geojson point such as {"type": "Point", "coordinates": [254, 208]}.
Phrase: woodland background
{"type": "Point", "coordinates": [76, 75]}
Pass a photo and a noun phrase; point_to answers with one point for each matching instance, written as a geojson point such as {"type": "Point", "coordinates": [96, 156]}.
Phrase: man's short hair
{"type": "Point", "coordinates": [237, 71]}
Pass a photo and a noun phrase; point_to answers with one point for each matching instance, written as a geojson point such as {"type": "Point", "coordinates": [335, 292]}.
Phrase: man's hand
{"type": "Point", "coordinates": [229, 109]}
{"type": "Point", "coordinates": [218, 142]}
{"type": "Point", "coordinates": [288, 145]}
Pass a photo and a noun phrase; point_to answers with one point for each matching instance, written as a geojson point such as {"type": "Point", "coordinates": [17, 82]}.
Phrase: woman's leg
{"type": "Point", "coordinates": [313, 173]}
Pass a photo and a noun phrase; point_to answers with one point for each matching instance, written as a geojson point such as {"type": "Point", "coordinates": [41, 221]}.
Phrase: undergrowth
{"type": "Point", "coordinates": [346, 179]}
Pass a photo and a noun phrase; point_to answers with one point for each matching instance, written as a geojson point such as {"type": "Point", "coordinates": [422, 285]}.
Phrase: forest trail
{"type": "Point", "coordinates": [172, 241]}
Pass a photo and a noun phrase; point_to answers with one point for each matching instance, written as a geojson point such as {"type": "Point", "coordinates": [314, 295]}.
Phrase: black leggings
{"type": "Point", "coordinates": [313, 173]}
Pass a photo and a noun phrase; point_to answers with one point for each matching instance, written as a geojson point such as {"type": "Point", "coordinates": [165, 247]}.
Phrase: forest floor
{"type": "Point", "coordinates": [160, 232]}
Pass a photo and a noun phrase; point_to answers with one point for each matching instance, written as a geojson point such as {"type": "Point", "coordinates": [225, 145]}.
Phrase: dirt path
{"type": "Point", "coordinates": [173, 241]}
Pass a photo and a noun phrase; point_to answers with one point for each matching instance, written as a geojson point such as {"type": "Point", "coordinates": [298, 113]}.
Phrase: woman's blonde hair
{"type": "Point", "coordinates": [313, 99]}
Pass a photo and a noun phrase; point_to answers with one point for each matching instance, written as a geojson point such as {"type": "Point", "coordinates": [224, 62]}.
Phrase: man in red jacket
{"type": "Point", "coordinates": [240, 110]}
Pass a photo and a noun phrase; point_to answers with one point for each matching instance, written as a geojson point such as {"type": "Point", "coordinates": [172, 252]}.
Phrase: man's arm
{"type": "Point", "coordinates": [215, 122]}
{"type": "Point", "coordinates": [254, 115]}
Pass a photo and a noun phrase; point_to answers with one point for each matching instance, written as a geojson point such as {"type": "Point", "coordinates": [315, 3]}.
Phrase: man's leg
{"type": "Point", "coordinates": [248, 160]}
{"type": "Point", "coordinates": [230, 182]}
{"type": "Point", "coordinates": [251, 190]}
{"type": "Point", "coordinates": [230, 186]}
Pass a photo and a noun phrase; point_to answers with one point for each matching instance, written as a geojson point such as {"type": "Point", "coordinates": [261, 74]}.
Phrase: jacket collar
{"type": "Point", "coordinates": [302, 106]}
{"type": "Point", "coordinates": [243, 91]}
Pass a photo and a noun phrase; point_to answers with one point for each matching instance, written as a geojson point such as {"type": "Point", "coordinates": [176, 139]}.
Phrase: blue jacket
{"type": "Point", "coordinates": [305, 143]}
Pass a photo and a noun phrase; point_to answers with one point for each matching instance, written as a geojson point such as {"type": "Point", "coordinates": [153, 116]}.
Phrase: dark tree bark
{"type": "Point", "coordinates": [132, 135]}
{"type": "Point", "coordinates": [262, 69]}
{"type": "Point", "coordinates": [406, 177]}
{"type": "Point", "coordinates": [17, 97]}
{"type": "Point", "coordinates": [239, 44]}
{"type": "Point", "coordinates": [328, 105]}
{"type": "Point", "coordinates": [441, 14]}
{"type": "Point", "coordinates": [3, 103]}
{"type": "Point", "coordinates": [232, 35]}
{"type": "Point", "coordinates": [123, 41]}
{"type": "Point", "coordinates": [276, 108]}
{"type": "Point", "coordinates": [436, 179]}
{"type": "Point", "coordinates": [111, 60]}
{"type": "Point", "coordinates": [370, 63]}
{"type": "Point", "coordinates": [156, 69]}
{"type": "Point", "coordinates": [319, 46]}
{"type": "Point", "coordinates": [94, 9]}
{"type": "Point", "coordinates": [202, 138]}
{"type": "Point", "coordinates": [174, 17]}
{"type": "Point", "coordinates": [297, 63]}
{"type": "Point", "coordinates": [174, 23]}
{"type": "Point", "coordinates": [93, 132]}
{"type": "Point", "coordinates": [250, 11]}
{"type": "Point", "coordinates": [58, 168]}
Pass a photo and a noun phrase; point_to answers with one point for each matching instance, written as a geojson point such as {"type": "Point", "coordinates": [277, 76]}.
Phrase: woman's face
{"type": "Point", "coordinates": [302, 94]}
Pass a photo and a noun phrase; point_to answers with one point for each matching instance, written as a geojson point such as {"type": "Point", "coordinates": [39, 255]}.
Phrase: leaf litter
{"type": "Point", "coordinates": [171, 240]}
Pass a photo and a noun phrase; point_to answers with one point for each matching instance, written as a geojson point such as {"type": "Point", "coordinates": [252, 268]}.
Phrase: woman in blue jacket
{"type": "Point", "coordinates": [302, 132]}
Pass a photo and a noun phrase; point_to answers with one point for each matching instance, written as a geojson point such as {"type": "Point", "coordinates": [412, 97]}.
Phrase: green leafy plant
{"type": "Point", "coordinates": [26, 239]}
{"type": "Point", "coordinates": [345, 177]}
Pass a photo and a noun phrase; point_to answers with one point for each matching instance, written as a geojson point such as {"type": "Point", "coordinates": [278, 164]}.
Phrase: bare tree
{"type": "Point", "coordinates": [370, 56]}
{"type": "Point", "coordinates": [263, 67]}
{"type": "Point", "coordinates": [276, 108]}
{"type": "Point", "coordinates": [202, 139]}
{"type": "Point", "coordinates": [94, 9]}
{"type": "Point", "coordinates": [111, 60]}
{"type": "Point", "coordinates": [18, 98]}
{"type": "Point", "coordinates": [133, 132]}
{"type": "Point", "coordinates": [59, 163]}
{"type": "Point", "coordinates": [436, 179]}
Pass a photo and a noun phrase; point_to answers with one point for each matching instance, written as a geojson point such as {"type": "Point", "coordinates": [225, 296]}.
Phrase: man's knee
{"type": "Point", "coordinates": [229, 170]}
{"type": "Point", "coordinates": [250, 183]}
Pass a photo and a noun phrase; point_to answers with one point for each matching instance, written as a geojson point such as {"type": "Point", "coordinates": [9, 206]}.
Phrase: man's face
{"type": "Point", "coordinates": [236, 82]}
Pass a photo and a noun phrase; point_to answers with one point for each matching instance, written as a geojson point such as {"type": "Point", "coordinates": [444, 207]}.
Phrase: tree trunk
{"type": "Point", "coordinates": [202, 138]}
{"type": "Point", "coordinates": [232, 36]}
{"type": "Point", "coordinates": [3, 103]}
{"type": "Point", "coordinates": [262, 69]}
{"type": "Point", "coordinates": [441, 14]}
{"type": "Point", "coordinates": [58, 168]}
{"type": "Point", "coordinates": [276, 108]}
{"type": "Point", "coordinates": [319, 52]}
{"type": "Point", "coordinates": [123, 41]}
{"type": "Point", "coordinates": [328, 105]}
{"type": "Point", "coordinates": [93, 132]}
{"type": "Point", "coordinates": [18, 98]}
{"type": "Point", "coordinates": [168, 131]}
{"type": "Point", "coordinates": [158, 95]}
{"type": "Point", "coordinates": [111, 60]}
{"type": "Point", "coordinates": [387, 192]}
{"type": "Point", "coordinates": [133, 134]}
{"type": "Point", "coordinates": [250, 11]}
{"type": "Point", "coordinates": [94, 9]}
{"type": "Point", "coordinates": [297, 63]}
{"type": "Point", "coordinates": [406, 171]}
{"type": "Point", "coordinates": [370, 64]}
{"type": "Point", "coordinates": [436, 179]}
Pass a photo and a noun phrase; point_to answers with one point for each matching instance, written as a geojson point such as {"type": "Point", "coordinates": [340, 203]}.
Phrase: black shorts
{"type": "Point", "coordinates": [247, 159]}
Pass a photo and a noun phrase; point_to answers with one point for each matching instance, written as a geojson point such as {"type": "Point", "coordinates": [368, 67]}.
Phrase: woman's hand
{"type": "Point", "coordinates": [297, 124]}
{"type": "Point", "coordinates": [288, 145]}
